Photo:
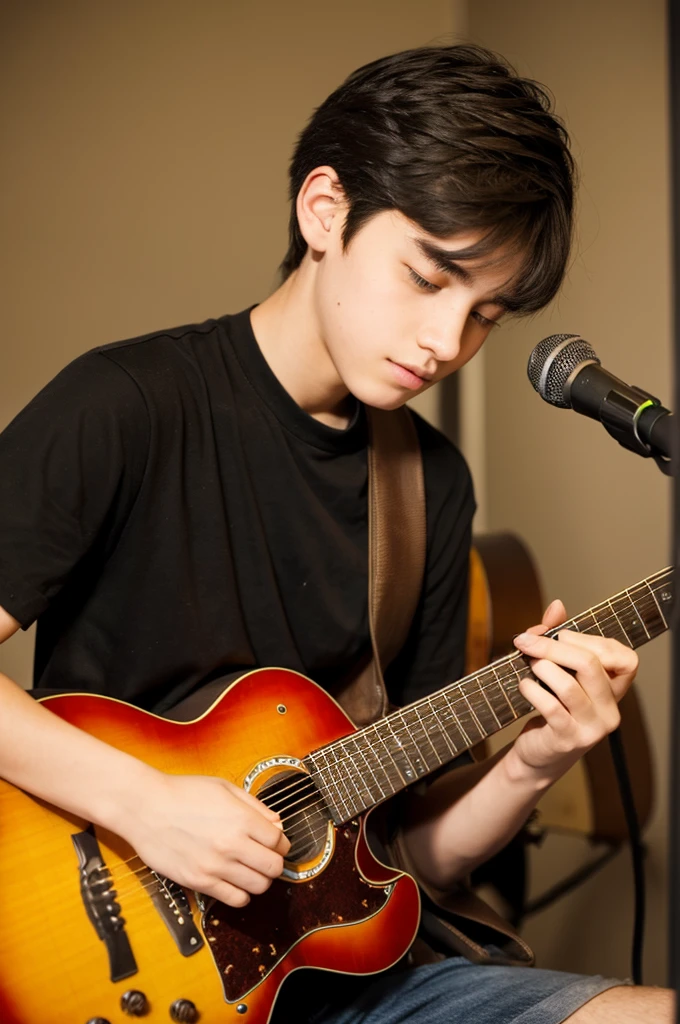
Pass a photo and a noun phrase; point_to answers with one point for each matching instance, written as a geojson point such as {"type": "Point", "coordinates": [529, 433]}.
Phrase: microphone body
{"type": "Point", "coordinates": [566, 372]}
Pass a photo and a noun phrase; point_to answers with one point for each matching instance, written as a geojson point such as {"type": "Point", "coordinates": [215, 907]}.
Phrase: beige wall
{"type": "Point", "coordinates": [145, 152]}
{"type": "Point", "coordinates": [596, 516]}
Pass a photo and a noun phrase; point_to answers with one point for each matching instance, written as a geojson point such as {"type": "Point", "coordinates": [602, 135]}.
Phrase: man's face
{"type": "Point", "coordinates": [396, 316]}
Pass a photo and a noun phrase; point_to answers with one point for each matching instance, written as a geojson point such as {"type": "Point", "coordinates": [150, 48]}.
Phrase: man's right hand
{"type": "Point", "coordinates": [206, 834]}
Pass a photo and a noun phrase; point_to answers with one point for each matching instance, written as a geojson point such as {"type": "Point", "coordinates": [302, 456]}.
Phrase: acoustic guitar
{"type": "Point", "coordinates": [89, 934]}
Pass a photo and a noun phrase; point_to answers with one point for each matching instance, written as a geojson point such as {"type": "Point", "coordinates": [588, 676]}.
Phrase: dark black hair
{"type": "Point", "coordinates": [454, 139]}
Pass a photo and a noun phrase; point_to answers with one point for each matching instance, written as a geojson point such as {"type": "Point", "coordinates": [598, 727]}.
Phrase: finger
{"type": "Point", "coordinates": [227, 893]}
{"type": "Point", "coordinates": [569, 692]}
{"type": "Point", "coordinates": [577, 658]}
{"type": "Point", "coordinates": [252, 801]}
{"type": "Point", "coordinates": [267, 834]}
{"type": "Point", "coordinates": [554, 614]}
{"type": "Point", "coordinates": [244, 877]}
{"type": "Point", "coordinates": [546, 703]}
{"type": "Point", "coordinates": [283, 845]}
{"type": "Point", "coordinates": [614, 656]}
{"type": "Point", "coordinates": [583, 661]}
{"type": "Point", "coordinates": [261, 859]}
{"type": "Point", "coordinates": [565, 709]}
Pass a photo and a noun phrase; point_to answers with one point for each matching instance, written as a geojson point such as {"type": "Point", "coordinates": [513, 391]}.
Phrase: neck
{"type": "Point", "coordinates": [360, 770]}
{"type": "Point", "coordinates": [290, 338]}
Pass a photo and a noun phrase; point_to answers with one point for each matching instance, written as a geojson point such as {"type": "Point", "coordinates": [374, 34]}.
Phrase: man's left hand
{"type": "Point", "coordinates": [587, 676]}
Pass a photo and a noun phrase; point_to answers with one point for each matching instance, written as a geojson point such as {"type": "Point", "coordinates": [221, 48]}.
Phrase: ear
{"type": "Point", "coordinates": [320, 208]}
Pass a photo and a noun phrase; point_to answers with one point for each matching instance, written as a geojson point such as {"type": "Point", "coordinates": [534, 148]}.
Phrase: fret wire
{"type": "Point", "coordinates": [375, 729]}
{"type": "Point", "coordinates": [381, 764]}
{"type": "Point", "coordinates": [638, 619]}
{"type": "Point", "coordinates": [495, 697]}
{"type": "Point", "coordinates": [663, 617]}
{"type": "Point", "coordinates": [400, 746]}
{"type": "Point", "coordinates": [507, 699]}
{"type": "Point", "coordinates": [491, 709]}
{"type": "Point", "coordinates": [359, 783]}
{"type": "Point", "coordinates": [371, 733]}
{"type": "Point", "coordinates": [620, 623]}
{"type": "Point", "coordinates": [342, 778]}
{"type": "Point", "coordinates": [347, 778]}
{"type": "Point", "coordinates": [444, 714]}
{"type": "Point", "coordinates": [597, 624]}
{"type": "Point", "coordinates": [420, 756]}
{"type": "Point", "coordinates": [444, 731]}
{"type": "Point", "coordinates": [427, 734]}
{"type": "Point", "coordinates": [333, 784]}
{"type": "Point", "coordinates": [389, 767]}
{"type": "Point", "coordinates": [455, 694]}
{"type": "Point", "coordinates": [387, 724]}
{"type": "Point", "coordinates": [460, 727]}
{"type": "Point", "coordinates": [476, 722]}
{"type": "Point", "coordinates": [370, 769]}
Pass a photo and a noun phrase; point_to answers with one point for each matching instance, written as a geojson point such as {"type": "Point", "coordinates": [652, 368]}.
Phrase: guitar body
{"type": "Point", "coordinates": [83, 923]}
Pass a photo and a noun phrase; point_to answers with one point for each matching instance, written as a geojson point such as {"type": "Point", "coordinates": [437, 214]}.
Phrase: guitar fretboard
{"type": "Point", "coordinates": [361, 770]}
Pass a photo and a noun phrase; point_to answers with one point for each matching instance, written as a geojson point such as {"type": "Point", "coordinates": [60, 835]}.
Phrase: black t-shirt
{"type": "Point", "coordinates": [169, 514]}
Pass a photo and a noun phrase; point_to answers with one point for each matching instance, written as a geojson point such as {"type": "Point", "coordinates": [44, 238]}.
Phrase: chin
{"type": "Point", "coordinates": [383, 398]}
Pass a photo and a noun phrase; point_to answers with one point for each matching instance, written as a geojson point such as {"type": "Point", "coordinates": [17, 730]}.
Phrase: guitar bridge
{"type": "Point", "coordinates": [99, 899]}
{"type": "Point", "coordinates": [171, 902]}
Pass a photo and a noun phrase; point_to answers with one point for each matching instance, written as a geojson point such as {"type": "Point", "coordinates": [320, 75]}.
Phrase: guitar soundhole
{"type": "Point", "coordinates": [304, 814]}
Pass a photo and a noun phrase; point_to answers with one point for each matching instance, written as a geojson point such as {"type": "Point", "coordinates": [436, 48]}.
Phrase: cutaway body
{"type": "Point", "coordinates": [84, 924]}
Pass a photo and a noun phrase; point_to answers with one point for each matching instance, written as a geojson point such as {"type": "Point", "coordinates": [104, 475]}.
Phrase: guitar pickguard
{"type": "Point", "coordinates": [248, 942]}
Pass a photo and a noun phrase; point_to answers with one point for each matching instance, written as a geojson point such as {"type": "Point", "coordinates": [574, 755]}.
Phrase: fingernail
{"type": "Point", "coordinates": [524, 638]}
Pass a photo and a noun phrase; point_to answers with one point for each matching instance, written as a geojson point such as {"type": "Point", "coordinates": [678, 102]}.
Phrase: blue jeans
{"type": "Point", "coordinates": [453, 991]}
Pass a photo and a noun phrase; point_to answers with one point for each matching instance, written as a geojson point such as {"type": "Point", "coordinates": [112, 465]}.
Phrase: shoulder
{"type": "Point", "coordinates": [87, 391]}
{"type": "Point", "coordinates": [161, 353]}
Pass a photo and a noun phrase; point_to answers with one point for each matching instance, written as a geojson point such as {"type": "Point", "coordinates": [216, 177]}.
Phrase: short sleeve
{"type": "Point", "coordinates": [71, 463]}
{"type": "Point", "coordinates": [434, 653]}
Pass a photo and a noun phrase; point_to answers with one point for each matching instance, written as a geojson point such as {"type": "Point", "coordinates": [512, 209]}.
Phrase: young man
{"type": "Point", "coordinates": [193, 502]}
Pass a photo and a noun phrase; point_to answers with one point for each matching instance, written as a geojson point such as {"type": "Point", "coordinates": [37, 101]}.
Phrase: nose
{"type": "Point", "coordinates": [443, 338]}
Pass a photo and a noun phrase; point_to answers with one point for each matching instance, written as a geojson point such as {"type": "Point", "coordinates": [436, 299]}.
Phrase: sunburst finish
{"type": "Point", "coordinates": [355, 915]}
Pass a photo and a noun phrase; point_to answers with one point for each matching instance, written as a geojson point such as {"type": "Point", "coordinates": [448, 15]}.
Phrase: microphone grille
{"type": "Point", "coordinates": [552, 363]}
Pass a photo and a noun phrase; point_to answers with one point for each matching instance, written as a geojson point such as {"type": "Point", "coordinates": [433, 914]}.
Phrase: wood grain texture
{"type": "Point", "coordinates": [53, 968]}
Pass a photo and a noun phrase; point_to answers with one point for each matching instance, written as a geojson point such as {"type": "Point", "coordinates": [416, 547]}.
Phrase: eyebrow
{"type": "Point", "coordinates": [445, 261]}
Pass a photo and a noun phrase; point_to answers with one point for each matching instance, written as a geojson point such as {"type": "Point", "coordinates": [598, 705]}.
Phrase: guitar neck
{"type": "Point", "coordinates": [361, 770]}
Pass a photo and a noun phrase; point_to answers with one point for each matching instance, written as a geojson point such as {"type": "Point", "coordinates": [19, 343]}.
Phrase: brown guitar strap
{"type": "Point", "coordinates": [396, 554]}
{"type": "Point", "coordinates": [396, 548]}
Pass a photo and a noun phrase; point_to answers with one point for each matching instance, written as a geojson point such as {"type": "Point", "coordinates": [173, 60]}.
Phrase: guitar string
{"type": "Point", "coordinates": [454, 700]}
{"type": "Point", "coordinates": [310, 834]}
{"type": "Point", "coordinates": [405, 728]}
{"type": "Point", "coordinates": [296, 832]}
{"type": "Point", "coordinates": [611, 618]}
{"type": "Point", "coordinates": [446, 693]}
{"type": "Point", "coordinates": [306, 787]}
{"type": "Point", "coordinates": [141, 891]}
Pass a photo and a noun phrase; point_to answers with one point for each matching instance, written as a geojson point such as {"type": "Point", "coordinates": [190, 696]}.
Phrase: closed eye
{"type": "Point", "coordinates": [427, 286]}
{"type": "Point", "coordinates": [421, 282]}
{"type": "Point", "coordinates": [484, 321]}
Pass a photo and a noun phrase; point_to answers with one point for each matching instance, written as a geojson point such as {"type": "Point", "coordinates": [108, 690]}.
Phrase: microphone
{"type": "Point", "coordinates": [566, 372]}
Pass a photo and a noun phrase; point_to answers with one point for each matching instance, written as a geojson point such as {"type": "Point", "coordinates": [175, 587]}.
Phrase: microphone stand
{"type": "Point", "coordinates": [674, 823]}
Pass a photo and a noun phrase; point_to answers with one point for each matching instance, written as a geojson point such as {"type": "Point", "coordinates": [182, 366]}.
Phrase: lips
{"type": "Point", "coordinates": [415, 370]}
{"type": "Point", "coordinates": [408, 376]}
{"type": "Point", "coordinates": [423, 374]}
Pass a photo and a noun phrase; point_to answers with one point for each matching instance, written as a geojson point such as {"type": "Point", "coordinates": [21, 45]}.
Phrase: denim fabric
{"type": "Point", "coordinates": [453, 991]}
